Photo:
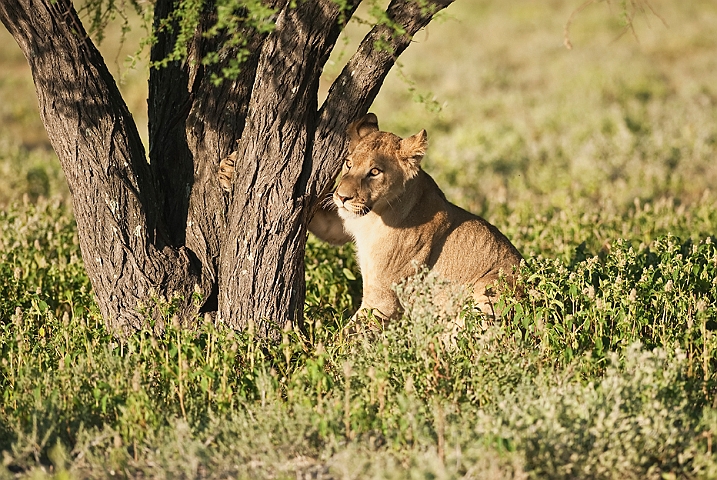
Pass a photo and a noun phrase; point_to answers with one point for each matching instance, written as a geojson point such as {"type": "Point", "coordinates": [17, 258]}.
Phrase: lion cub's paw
{"type": "Point", "coordinates": [362, 324]}
{"type": "Point", "coordinates": [226, 172]}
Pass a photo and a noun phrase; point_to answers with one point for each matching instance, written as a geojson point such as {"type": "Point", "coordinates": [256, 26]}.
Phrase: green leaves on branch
{"type": "Point", "coordinates": [231, 22]}
{"type": "Point", "coordinates": [100, 13]}
{"type": "Point", "coordinates": [222, 34]}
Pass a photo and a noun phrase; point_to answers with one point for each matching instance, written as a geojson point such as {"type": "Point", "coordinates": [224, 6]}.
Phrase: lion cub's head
{"type": "Point", "coordinates": [377, 168]}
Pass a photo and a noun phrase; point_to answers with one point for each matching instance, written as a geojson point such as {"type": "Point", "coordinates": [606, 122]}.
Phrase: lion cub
{"type": "Point", "coordinates": [399, 218]}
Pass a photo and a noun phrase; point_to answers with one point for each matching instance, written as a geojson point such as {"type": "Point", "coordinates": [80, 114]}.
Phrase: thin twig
{"type": "Point", "coordinates": [566, 31]}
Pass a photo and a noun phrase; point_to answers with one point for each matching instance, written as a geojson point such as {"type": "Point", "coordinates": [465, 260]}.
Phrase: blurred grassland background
{"type": "Point", "coordinates": [599, 164]}
{"type": "Point", "coordinates": [518, 125]}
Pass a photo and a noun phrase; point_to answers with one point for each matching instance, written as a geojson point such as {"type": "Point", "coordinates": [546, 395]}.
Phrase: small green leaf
{"type": "Point", "coordinates": [349, 274]}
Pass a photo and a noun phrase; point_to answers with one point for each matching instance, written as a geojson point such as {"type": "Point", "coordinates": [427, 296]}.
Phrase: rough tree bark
{"type": "Point", "coordinates": [114, 196]}
{"type": "Point", "coordinates": [164, 228]}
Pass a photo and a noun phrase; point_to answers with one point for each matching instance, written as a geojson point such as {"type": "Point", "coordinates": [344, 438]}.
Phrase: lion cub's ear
{"type": "Point", "coordinates": [414, 148]}
{"type": "Point", "coordinates": [360, 128]}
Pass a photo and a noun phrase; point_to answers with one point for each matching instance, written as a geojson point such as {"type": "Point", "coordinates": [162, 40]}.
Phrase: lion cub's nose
{"type": "Point", "coordinates": [343, 198]}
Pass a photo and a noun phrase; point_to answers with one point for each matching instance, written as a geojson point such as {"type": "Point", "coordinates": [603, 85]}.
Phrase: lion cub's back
{"type": "Point", "coordinates": [473, 250]}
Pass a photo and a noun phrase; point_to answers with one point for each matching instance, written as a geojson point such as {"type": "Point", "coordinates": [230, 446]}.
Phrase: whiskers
{"type": "Point", "coordinates": [358, 210]}
{"type": "Point", "coordinates": [389, 204]}
{"type": "Point", "coordinates": [328, 202]}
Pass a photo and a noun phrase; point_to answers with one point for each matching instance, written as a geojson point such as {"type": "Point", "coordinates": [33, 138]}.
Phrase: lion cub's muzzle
{"type": "Point", "coordinates": [350, 204]}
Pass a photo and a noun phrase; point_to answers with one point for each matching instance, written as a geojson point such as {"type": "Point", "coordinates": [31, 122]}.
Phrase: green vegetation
{"type": "Point", "coordinates": [596, 162]}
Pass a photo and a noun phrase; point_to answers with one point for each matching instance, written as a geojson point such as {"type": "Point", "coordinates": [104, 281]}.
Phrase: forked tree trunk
{"type": "Point", "coordinates": [164, 228]}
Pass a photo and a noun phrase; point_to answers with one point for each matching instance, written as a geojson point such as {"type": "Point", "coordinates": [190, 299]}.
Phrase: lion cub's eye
{"type": "Point", "coordinates": [348, 163]}
{"type": "Point", "coordinates": [374, 172]}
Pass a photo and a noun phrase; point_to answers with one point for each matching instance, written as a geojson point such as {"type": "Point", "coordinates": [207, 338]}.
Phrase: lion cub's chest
{"type": "Point", "coordinates": [389, 254]}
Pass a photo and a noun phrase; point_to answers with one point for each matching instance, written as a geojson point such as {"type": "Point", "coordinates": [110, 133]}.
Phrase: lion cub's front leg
{"type": "Point", "coordinates": [329, 227]}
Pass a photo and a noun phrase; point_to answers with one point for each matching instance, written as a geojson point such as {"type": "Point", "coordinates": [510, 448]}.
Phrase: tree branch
{"type": "Point", "coordinates": [168, 104]}
{"type": "Point", "coordinates": [356, 87]}
{"type": "Point", "coordinates": [216, 120]}
{"type": "Point", "coordinates": [263, 246]}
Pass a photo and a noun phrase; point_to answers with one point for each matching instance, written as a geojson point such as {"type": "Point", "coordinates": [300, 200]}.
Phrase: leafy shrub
{"type": "Point", "coordinates": [659, 294]}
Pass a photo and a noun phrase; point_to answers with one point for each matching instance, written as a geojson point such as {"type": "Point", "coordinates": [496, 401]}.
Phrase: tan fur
{"type": "Point", "coordinates": [399, 218]}
{"type": "Point", "coordinates": [226, 172]}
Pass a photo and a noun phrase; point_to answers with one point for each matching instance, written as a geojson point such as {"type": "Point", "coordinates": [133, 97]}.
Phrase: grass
{"type": "Point", "coordinates": [597, 162]}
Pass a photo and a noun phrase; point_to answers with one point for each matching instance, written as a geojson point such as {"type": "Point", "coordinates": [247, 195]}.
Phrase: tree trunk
{"type": "Point", "coordinates": [164, 228]}
{"type": "Point", "coordinates": [120, 226]}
